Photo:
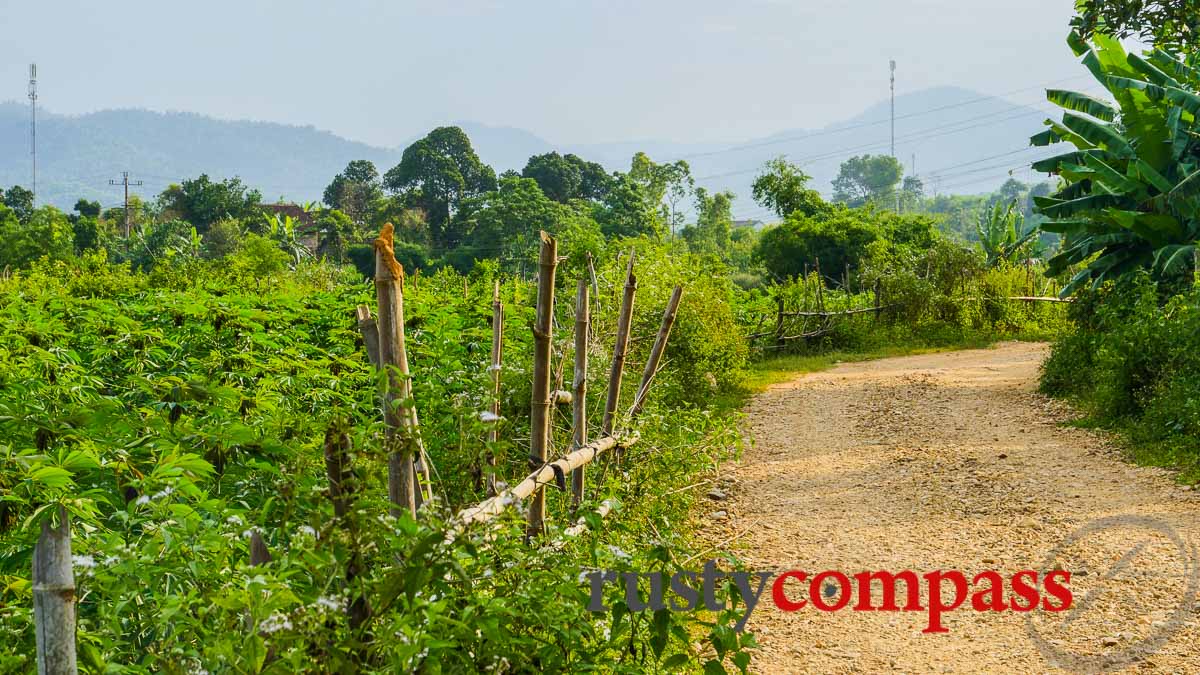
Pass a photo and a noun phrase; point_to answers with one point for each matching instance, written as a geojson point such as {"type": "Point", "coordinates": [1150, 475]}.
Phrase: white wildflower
{"type": "Point", "coordinates": [143, 500]}
{"type": "Point", "coordinates": [85, 561]}
{"type": "Point", "coordinates": [307, 531]}
{"type": "Point", "coordinates": [234, 520]}
{"type": "Point", "coordinates": [329, 603]}
{"type": "Point", "coordinates": [488, 416]}
{"type": "Point", "coordinates": [494, 367]}
{"type": "Point", "coordinates": [619, 553]}
{"type": "Point", "coordinates": [274, 623]}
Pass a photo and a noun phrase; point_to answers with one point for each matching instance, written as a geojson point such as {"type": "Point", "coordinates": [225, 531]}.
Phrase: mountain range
{"type": "Point", "coordinates": [961, 141]}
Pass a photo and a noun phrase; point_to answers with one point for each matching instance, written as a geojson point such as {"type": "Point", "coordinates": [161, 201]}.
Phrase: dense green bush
{"type": "Point", "coordinates": [1133, 360]}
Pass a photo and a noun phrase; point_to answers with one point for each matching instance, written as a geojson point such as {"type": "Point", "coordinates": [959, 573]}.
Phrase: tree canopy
{"type": "Point", "coordinates": [566, 177]}
{"type": "Point", "coordinates": [355, 191]}
{"type": "Point", "coordinates": [202, 201]}
{"type": "Point", "coordinates": [436, 173]}
{"type": "Point", "coordinates": [783, 188]}
{"type": "Point", "coordinates": [867, 179]}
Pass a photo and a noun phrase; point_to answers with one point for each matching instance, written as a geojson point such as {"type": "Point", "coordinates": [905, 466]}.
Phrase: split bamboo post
{"type": "Point", "coordinates": [497, 359]}
{"type": "Point", "coordinates": [259, 554]}
{"type": "Point", "coordinates": [54, 598]}
{"type": "Point", "coordinates": [398, 411]}
{"type": "Point", "coordinates": [592, 274]}
{"type": "Point", "coordinates": [579, 402]}
{"type": "Point", "coordinates": [370, 333]}
{"type": "Point", "coordinates": [620, 349]}
{"type": "Point", "coordinates": [539, 446]}
{"type": "Point", "coordinates": [656, 352]}
{"type": "Point", "coordinates": [779, 314]}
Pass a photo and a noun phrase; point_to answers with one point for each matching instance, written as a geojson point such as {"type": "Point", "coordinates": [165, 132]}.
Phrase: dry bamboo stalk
{"type": "Point", "coordinates": [541, 477]}
{"type": "Point", "coordinates": [620, 349]}
{"type": "Point", "coordinates": [259, 555]}
{"type": "Point", "coordinates": [592, 274]}
{"type": "Point", "coordinates": [370, 333]}
{"type": "Point", "coordinates": [497, 357]}
{"type": "Point", "coordinates": [539, 447]}
{"type": "Point", "coordinates": [54, 598]}
{"type": "Point", "coordinates": [579, 404]}
{"type": "Point", "coordinates": [399, 414]}
{"type": "Point", "coordinates": [656, 352]}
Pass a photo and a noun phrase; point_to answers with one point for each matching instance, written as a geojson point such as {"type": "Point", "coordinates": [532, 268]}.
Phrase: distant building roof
{"type": "Point", "coordinates": [756, 224]}
{"type": "Point", "coordinates": [306, 220]}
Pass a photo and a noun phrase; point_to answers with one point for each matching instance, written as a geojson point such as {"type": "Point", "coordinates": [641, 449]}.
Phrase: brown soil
{"type": "Point", "coordinates": [952, 461]}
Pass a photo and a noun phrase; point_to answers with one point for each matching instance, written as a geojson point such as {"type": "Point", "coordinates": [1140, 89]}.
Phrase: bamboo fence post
{"type": "Point", "coordinates": [877, 305]}
{"type": "Point", "coordinates": [398, 412]}
{"type": "Point", "coordinates": [539, 446]}
{"type": "Point", "coordinates": [54, 598]}
{"type": "Point", "coordinates": [579, 390]}
{"type": "Point", "coordinates": [497, 358]}
{"type": "Point", "coordinates": [592, 274]}
{"type": "Point", "coordinates": [341, 493]}
{"type": "Point", "coordinates": [820, 287]}
{"type": "Point", "coordinates": [370, 333]}
{"type": "Point", "coordinates": [779, 317]}
{"type": "Point", "coordinates": [656, 352]}
{"type": "Point", "coordinates": [620, 349]}
{"type": "Point", "coordinates": [259, 554]}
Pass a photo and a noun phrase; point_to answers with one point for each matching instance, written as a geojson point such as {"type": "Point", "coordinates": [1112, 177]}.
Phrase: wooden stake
{"type": "Point", "coordinates": [370, 333]}
{"type": "Point", "coordinates": [592, 274]}
{"type": "Point", "coordinates": [497, 358]}
{"type": "Point", "coordinates": [656, 352]}
{"type": "Point", "coordinates": [398, 412]}
{"type": "Point", "coordinates": [54, 598]}
{"type": "Point", "coordinates": [579, 402]}
{"type": "Point", "coordinates": [341, 492]}
{"type": "Point", "coordinates": [539, 447]}
{"type": "Point", "coordinates": [620, 349]}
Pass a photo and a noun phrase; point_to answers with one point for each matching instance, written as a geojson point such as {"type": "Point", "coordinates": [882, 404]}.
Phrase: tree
{"type": "Point", "coordinates": [714, 223]}
{"type": "Point", "coordinates": [783, 188]}
{"type": "Point", "coordinates": [87, 209]}
{"type": "Point", "coordinates": [202, 202]}
{"type": "Point", "coordinates": [867, 179]}
{"type": "Point", "coordinates": [505, 223]}
{"type": "Point", "coordinates": [437, 173]}
{"type": "Point", "coordinates": [1131, 193]}
{"type": "Point", "coordinates": [626, 211]}
{"type": "Point", "coordinates": [566, 177]}
{"type": "Point", "coordinates": [355, 191]}
{"type": "Point", "coordinates": [663, 186]}
{"type": "Point", "coordinates": [801, 241]}
{"type": "Point", "coordinates": [912, 191]}
{"type": "Point", "coordinates": [45, 232]}
{"type": "Point", "coordinates": [335, 233]}
{"type": "Point", "coordinates": [20, 200]}
{"type": "Point", "coordinates": [1172, 24]}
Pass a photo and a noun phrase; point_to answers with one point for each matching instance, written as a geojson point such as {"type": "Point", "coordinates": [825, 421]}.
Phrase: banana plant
{"type": "Point", "coordinates": [1131, 198]}
{"type": "Point", "coordinates": [1002, 235]}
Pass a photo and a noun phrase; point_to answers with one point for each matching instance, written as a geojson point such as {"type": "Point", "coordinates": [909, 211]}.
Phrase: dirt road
{"type": "Point", "coordinates": [951, 461]}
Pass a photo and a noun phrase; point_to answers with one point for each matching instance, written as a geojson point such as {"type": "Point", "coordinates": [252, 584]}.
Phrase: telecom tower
{"type": "Point", "coordinates": [33, 124]}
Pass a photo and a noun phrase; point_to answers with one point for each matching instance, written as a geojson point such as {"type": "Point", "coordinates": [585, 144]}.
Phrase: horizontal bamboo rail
{"type": "Point", "coordinates": [550, 474]}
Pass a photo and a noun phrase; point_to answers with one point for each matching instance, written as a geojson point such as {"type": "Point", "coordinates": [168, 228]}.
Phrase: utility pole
{"type": "Point", "coordinates": [33, 95]}
{"type": "Point", "coordinates": [125, 182]}
{"type": "Point", "coordinates": [893, 88]}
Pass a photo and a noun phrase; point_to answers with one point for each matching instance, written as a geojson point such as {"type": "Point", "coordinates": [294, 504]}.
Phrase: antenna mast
{"type": "Point", "coordinates": [893, 83]}
{"type": "Point", "coordinates": [33, 95]}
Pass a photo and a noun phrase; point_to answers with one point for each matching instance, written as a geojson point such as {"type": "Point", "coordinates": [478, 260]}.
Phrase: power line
{"type": "Point", "coordinates": [862, 125]}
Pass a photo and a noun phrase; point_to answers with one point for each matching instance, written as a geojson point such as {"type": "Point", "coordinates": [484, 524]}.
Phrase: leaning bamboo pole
{"type": "Point", "coordinates": [547, 474]}
{"type": "Point", "coordinates": [398, 411]}
{"type": "Point", "coordinates": [539, 446]}
{"type": "Point", "coordinates": [54, 598]}
{"type": "Point", "coordinates": [620, 349]}
{"type": "Point", "coordinates": [579, 403]}
{"type": "Point", "coordinates": [497, 358]}
{"type": "Point", "coordinates": [656, 352]}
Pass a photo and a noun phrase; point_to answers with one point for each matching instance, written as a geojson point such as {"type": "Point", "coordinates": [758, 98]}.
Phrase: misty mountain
{"type": "Point", "coordinates": [963, 142]}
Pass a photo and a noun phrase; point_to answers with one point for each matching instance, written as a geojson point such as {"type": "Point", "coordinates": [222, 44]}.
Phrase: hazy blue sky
{"type": "Point", "coordinates": [570, 71]}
